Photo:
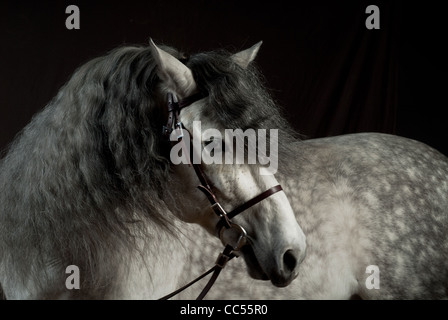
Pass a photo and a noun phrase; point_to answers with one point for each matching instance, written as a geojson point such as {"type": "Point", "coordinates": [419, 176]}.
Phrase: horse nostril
{"type": "Point", "coordinates": [289, 260]}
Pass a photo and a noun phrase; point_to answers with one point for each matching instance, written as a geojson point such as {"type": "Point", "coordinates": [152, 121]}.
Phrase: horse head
{"type": "Point", "coordinates": [229, 97]}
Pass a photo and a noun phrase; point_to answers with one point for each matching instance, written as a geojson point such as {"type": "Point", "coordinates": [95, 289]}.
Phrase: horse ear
{"type": "Point", "coordinates": [243, 58]}
{"type": "Point", "coordinates": [177, 76]}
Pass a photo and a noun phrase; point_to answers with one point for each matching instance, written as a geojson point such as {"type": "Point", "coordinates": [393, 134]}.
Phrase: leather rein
{"type": "Point", "coordinates": [230, 249]}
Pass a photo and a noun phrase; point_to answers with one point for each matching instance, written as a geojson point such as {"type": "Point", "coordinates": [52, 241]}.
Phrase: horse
{"type": "Point", "coordinates": [89, 183]}
{"type": "Point", "coordinates": [374, 209]}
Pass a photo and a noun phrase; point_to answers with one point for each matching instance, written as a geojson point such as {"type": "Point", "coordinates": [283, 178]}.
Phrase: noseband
{"type": "Point", "coordinates": [231, 248]}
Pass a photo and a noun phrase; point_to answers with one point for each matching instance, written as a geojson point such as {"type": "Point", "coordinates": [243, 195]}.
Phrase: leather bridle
{"type": "Point", "coordinates": [224, 223]}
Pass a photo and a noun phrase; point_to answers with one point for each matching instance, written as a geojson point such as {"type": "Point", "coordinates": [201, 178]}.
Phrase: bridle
{"type": "Point", "coordinates": [224, 224]}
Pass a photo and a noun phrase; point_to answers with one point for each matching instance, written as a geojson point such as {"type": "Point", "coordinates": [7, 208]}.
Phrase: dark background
{"type": "Point", "coordinates": [330, 74]}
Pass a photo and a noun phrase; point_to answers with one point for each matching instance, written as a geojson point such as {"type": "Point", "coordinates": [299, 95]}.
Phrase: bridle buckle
{"type": "Point", "coordinates": [236, 240]}
{"type": "Point", "coordinates": [166, 131]}
{"type": "Point", "coordinates": [179, 129]}
{"type": "Point", "coordinates": [219, 210]}
{"type": "Point", "coordinates": [222, 260]}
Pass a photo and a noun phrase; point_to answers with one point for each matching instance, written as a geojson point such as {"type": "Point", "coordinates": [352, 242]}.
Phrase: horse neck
{"type": "Point", "coordinates": [154, 269]}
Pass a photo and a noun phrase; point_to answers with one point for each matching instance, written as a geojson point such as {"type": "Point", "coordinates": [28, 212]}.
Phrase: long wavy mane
{"type": "Point", "coordinates": [87, 169]}
{"type": "Point", "coordinates": [78, 181]}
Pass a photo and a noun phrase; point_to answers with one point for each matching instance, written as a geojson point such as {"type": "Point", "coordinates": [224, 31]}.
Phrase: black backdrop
{"type": "Point", "coordinates": [325, 68]}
